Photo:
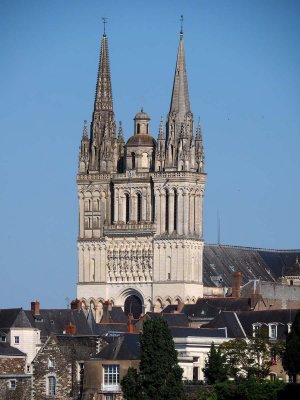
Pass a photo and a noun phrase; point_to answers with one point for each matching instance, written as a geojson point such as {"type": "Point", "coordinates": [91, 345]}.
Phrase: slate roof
{"type": "Point", "coordinates": [282, 317]}
{"type": "Point", "coordinates": [178, 319]}
{"type": "Point", "coordinates": [208, 308]}
{"type": "Point", "coordinates": [241, 323]}
{"type": "Point", "coordinates": [8, 317]}
{"type": "Point", "coordinates": [7, 350]}
{"type": "Point", "coordinates": [115, 315]}
{"type": "Point", "coordinates": [220, 261]}
{"type": "Point", "coordinates": [55, 321]}
{"type": "Point", "coordinates": [125, 347]}
{"type": "Point", "coordinates": [228, 319]}
{"type": "Point", "coordinates": [105, 328]}
{"type": "Point", "coordinates": [198, 332]}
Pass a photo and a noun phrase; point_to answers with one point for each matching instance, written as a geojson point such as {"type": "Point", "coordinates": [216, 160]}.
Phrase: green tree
{"type": "Point", "coordinates": [248, 358]}
{"type": "Point", "coordinates": [291, 356]}
{"type": "Point", "coordinates": [131, 385]}
{"type": "Point", "coordinates": [160, 376]}
{"type": "Point", "coordinates": [215, 369]}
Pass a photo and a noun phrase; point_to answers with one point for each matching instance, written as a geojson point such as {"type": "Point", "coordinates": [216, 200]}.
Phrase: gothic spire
{"type": "Point", "coordinates": [161, 134]}
{"type": "Point", "coordinates": [103, 97]}
{"type": "Point", "coordinates": [180, 102]}
{"type": "Point", "coordinates": [85, 131]}
{"type": "Point", "coordinates": [120, 133]}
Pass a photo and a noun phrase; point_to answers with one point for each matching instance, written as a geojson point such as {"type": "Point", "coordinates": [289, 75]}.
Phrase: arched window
{"type": "Point", "coordinates": [167, 212]}
{"type": "Point", "coordinates": [51, 386]}
{"type": "Point", "coordinates": [138, 127]}
{"type": "Point", "coordinates": [139, 207]}
{"type": "Point", "coordinates": [175, 209]}
{"type": "Point", "coordinates": [133, 160]}
{"type": "Point", "coordinates": [127, 207]}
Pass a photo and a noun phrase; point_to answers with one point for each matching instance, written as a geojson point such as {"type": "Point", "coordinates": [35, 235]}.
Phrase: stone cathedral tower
{"type": "Point", "coordinates": [140, 204]}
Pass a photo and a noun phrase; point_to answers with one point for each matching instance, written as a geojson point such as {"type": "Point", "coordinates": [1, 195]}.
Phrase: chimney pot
{"type": "Point", "coordinates": [35, 307]}
{"type": "Point", "coordinates": [236, 284]}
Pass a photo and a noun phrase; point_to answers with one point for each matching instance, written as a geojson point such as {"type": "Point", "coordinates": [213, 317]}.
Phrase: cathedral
{"type": "Point", "coordinates": [140, 242]}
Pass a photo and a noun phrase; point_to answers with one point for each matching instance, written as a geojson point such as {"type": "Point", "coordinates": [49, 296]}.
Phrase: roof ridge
{"type": "Point", "coordinates": [250, 247]}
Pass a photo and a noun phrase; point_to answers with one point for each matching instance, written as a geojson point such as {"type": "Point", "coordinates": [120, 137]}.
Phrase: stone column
{"type": "Point", "coordinates": [180, 213]}
{"type": "Point", "coordinates": [171, 212]}
{"type": "Point", "coordinates": [162, 212]}
{"type": "Point", "coordinates": [122, 204]}
{"type": "Point", "coordinates": [197, 214]}
{"type": "Point", "coordinates": [148, 203]}
{"type": "Point", "coordinates": [108, 208]}
{"type": "Point", "coordinates": [144, 204]}
{"type": "Point", "coordinates": [201, 215]}
{"type": "Point", "coordinates": [192, 214]}
{"type": "Point", "coordinates": [80, 263]}
{"type": "Point", "coordinates": [133, 214]}
{"type": "Point", "coordinates": [157, 212]}
{"type": "Point", "coordinates": [186, 205]}
{"type": "Point", "coordinates": [81, 216]}
{"type": "Point", "coordinates": [116, 207]}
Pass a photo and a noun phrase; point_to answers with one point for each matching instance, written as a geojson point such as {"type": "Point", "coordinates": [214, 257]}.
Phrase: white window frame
{"type": "Point", "coordinates": [51, 385]}
{"type": "Point", "coordinates": [111, 374]}
{"type": "Point", "coordinates": [270, 331]}
{"type": "Point", "coordinates": [255, 328]}
{"type": "Point", "coordinates": [12, 384]}
{"type": "Point", "coordinates": [51, 363]}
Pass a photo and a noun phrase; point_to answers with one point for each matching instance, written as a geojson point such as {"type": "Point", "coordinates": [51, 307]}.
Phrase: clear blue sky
{"type": "Point", "coordinates": [243, 62]}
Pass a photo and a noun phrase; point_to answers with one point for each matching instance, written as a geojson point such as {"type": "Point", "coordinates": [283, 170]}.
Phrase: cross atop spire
{"type": "Point", "coordinates": [104, 19]}
{"type": "Point", "coordinates": [181, 20]}
{"type": "Point", "coordinates": [180, 102]}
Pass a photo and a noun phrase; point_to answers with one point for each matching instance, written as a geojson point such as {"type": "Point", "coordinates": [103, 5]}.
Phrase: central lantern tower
{"type": "Point", "coordinates": [140, 204]}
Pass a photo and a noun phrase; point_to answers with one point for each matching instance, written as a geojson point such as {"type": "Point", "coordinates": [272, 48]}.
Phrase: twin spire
{"type": "Point", "coordinates": [177, 151]}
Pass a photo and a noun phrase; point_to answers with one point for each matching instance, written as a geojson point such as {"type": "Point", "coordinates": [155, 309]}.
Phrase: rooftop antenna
{"type": "Point", "coordinates": [67, 300]}
{"type": "Point", "coordinates": [219, 226]}
{"type": "Point", "coordinates": [104, 19]}
{"type": "Point", "coordinates": [181, 22]}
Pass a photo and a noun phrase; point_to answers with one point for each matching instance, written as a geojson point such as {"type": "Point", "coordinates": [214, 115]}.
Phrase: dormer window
{"type": "Point", "coordinates": [273, 331]}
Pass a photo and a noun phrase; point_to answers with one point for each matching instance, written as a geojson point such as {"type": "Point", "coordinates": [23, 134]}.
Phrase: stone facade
{"type": "Point", "coordinates": [60, 363]}
{"type": "Point", "coordinates": [14, 384]}
{"type": "Point", "coordinates": [140, 203]}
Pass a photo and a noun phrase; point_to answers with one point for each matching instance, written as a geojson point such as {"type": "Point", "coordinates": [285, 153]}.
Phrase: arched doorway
{"type": "Point", "coordinates": [133, 305]}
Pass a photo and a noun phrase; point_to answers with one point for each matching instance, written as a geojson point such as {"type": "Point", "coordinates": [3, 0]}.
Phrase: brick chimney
{"type": "Point", "coordinates": [76, 305]}
{"type": "Point", "coordinates": [35, 307]}
{"type": "Point", "coordinates": [71, 329]}
{"type": "Point", "coordinates": [129, 323]}
{"type": "Point", "coordinates": [107, 307]}
{"type": "Point", "coordinates": [236, 284]}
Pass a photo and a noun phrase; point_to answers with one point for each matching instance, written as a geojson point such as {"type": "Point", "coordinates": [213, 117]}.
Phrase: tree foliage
{"type": "Point", "coordinates": [160, 376]}
{"type": "Point", "coordinates": [291, 356]}
{"type": "Point", "coordinates": [131, 385]}
{"type": "Point", "coordinates": [215, 369]}
{"type": "Point", "coordinates": [248, 358]}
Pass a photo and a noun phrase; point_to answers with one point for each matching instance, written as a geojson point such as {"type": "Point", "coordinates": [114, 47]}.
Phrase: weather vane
{"type": "Point", "coordinates": [181, 20]}
{"type": "Point", "coordinates": [104, 19]}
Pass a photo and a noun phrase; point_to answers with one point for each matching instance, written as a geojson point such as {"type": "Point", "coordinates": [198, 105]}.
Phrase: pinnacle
{"type": "Point", "coordinates": [180, 102]}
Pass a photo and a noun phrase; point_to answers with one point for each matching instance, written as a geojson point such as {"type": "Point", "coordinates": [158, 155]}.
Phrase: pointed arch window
{"type": "Point", "coordinates": [139, 207]}
{"type": "Point", "coordinates": [133, 160]}
{"type": "Point", "coordinates": [127, 212]}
